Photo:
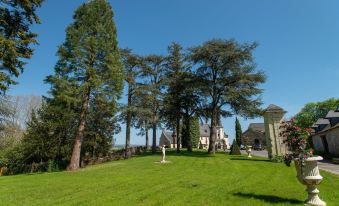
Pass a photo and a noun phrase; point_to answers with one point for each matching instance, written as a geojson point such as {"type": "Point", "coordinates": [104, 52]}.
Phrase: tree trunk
{"type": "Point", "coordinates": [154, 140]}
{"type": "Point", "coordinates": [214, 119]}
{"type": "Point", "coordinates": [178, 134]}
{"type": "Point", "coordinates": [147, 144]}
{"type": "Point", "coordinates": [75, 159]}
{"type": "Point", "coordinates": [128, 121]}
{"type": "Point", "coordinates": [173, 139]}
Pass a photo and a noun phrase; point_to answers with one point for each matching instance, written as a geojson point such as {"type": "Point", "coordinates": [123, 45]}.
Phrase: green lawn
{"type": "Point", "coordinates": [197, 179]}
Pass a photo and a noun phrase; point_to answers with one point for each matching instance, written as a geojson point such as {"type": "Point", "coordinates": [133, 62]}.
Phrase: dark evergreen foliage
{"type": "Point", "coordinates": [229, 80]}
{"type": "Point", "coordinates": [172, 114]}
{"type": "Point", "coordinates": [238, 132]}
{"type": "Point", "coordinates": [153, 77]}
{"type": "Point", "coordinates": [16, 38]}
{"type": "Point", "coordinates": [235, 150]}
{"type": "Point", "coordinates": [87, 83]}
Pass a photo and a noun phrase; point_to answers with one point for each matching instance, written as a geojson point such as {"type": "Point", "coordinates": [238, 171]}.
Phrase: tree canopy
{"type": "Point", "coordinates": [132, 63]}
{"type": "Point", "coordinates": [312, 111]}
{"type": "Point", "coordinates": [89, 68]}
{"type": "Point", "coordinates": [153, 76]}
{"type": "Point", "coordinates": [230, 82]}
{"type": "Point", "coordinates": [16, 38]}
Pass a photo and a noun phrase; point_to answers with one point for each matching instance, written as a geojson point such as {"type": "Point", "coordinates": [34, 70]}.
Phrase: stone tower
{"type": "Point", "coordinates": [273, 115]}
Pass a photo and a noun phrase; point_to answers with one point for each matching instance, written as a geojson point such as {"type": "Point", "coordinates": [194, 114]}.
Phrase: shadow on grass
{"type": "Point", "coordinates": [183, 153]}
{"type": "Point", "coordinates": [269, 198]}
{"type": "Point", "coordinates": [248, 159]}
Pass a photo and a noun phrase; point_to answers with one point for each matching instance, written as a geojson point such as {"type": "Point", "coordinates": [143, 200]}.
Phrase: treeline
{"type": "Point", "coordinates": [214, 80]}
{"type": "Point", "coordinates": [81, 114]}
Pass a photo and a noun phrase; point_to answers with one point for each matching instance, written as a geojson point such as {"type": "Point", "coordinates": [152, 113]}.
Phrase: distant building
{"type": "Point", "coordinates": [168, 138]}
{"type": "Point", "coordinates": [254, 135]}
{"type": "Point", "coordinates": [326, 133]}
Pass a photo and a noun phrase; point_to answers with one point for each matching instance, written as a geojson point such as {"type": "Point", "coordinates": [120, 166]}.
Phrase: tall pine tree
{"type": "Point", "coordinates": [89, 65]}
{"type": "Point", "coordinates": [153, 75]}
{"type": "Point", "coordinates": [143, 114]}
{"type": "Point", "coordinates": [238, 132]}
{"type": "Point", "coordinates": [176, 67]}
{"type": "Point", "coordinates": [132, 69]}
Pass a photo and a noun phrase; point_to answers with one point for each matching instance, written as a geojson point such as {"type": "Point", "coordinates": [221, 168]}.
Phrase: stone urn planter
{"type": "Point", "coordinates": [309, 175]}
{"type": "Point", "coordinates": [249, 150]}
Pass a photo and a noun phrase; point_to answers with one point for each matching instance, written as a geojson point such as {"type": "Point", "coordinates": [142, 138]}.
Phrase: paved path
{"type": "Point", "coordinates": [324, 164]}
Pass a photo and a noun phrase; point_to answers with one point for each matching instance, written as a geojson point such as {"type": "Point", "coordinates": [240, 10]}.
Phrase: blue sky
{"type": "Point", "coordinates": [298, 42]}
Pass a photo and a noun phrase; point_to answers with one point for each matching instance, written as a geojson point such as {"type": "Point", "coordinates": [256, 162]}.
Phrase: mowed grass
{"type": "Point", "coordinates": [190, 179]}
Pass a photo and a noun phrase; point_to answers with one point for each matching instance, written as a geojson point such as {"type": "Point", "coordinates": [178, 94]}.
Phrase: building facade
{"type": "Point", "coordinates": [168, 138]}
{"type": "Point", "coordinates": [255, 136]}
{"type": "Point", "coordinates": [326, 134]}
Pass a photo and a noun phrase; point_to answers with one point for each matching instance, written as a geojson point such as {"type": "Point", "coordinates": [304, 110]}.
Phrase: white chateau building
{"type": "Point", "coordinates": [169, 139]}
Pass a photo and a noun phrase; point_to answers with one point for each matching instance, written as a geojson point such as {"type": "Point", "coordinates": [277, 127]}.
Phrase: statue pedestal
{"type": "Point", "coordinates": [309, 175]}
{"type": "Point", "coordinates": [249, 150]}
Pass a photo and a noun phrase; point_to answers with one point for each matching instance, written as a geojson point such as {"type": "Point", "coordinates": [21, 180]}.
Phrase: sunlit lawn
{"type": "Point", "coordinates": [196, 179]}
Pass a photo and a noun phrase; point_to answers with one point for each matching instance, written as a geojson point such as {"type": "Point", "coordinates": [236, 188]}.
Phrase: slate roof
{"type": "Point", "coordinates": [168, 136]}
{"type": "Point", "coordinates": [327, 128]}
{"type": "Point", "coordinates": [332, 114]}
{"type": "Point", "coordinates": [314, 125]}
{"type": "Point", "coordinates": [322, 121]}
{"type": "Point", "coordinates": [260, 127]}
{"type": "Point", "coordinates": [274, 108]}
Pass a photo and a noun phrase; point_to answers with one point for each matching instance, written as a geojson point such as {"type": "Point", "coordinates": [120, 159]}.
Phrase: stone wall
{"type": "Point", "coordinates": [332, 137]}
{"type": "Point", "coordinates": [273, 116]}
{"type": "Point", "coordinates": [115, 155]}
{"type": "Point", "coordinates": [249, 137]}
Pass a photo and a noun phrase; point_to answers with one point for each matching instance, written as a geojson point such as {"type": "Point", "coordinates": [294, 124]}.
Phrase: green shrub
{"type": "Point", "coordinates": [52, 166]}
{"type": "Point", "coordinates": [235, 150]}
{"type": "Point", "coordinates": [12, 159]}
{"type": "Point", "coordinates": [278, 159]}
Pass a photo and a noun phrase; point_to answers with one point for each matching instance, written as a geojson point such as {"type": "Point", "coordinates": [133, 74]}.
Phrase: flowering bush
{"type": "Point", "coordinates": [296, 139]}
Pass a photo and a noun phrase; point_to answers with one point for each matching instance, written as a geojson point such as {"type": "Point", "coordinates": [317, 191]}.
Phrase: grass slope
{"type": "Point", "coordinates": [196, 179]}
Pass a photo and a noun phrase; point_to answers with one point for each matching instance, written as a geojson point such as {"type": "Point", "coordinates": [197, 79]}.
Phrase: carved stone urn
{"type": "Point", "coordinates": [249, 150]}
{"type": "Point", "coordinates": [309, 175]}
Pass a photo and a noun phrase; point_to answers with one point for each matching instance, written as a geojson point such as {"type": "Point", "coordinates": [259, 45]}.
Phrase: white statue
{"type": "Point", "coordinates": [163, 149]}
{"type": "Point", "coordinates": [249, 150]}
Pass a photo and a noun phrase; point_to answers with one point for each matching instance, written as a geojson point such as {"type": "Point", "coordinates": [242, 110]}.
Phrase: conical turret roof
{"type": "Point", "coordinates": [274, 108]}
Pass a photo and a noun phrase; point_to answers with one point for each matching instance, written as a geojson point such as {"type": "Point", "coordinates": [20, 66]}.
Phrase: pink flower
{"type": "Point", "coordinates": [294, 140]}
{"type": "Point", "coordinates": [297, 128]}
